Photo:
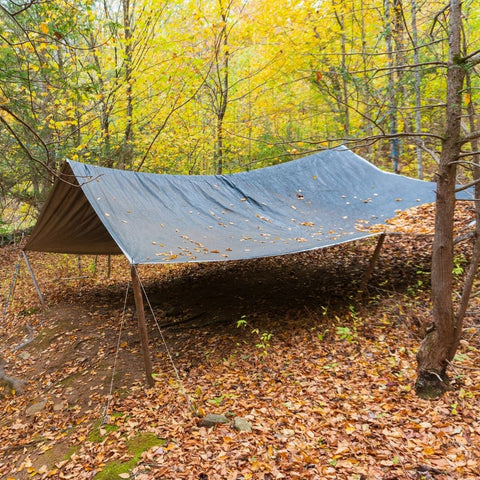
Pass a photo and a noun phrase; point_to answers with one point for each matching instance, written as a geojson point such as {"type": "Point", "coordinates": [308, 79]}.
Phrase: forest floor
{"type": "Point", "coordinates": [325, 379]}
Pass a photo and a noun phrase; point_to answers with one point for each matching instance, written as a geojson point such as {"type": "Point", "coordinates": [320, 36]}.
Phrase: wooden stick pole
{"type": "Point", "coordinates": [371, 266]}
{"type": "Point", "coordinates": [32, 274]}
{"type": "Point", "coordinates": [137, 291]}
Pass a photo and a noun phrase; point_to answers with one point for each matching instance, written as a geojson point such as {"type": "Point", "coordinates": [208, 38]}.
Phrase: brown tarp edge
{"type": "Point", "coordinates": [68, 223]}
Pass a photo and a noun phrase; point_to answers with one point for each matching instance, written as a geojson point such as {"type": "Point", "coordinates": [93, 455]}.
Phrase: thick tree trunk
{"type": "Point", "coordinates": [441, 341]}
{"type": "Point", "coordinates": [475, 260]}
{"type": "Point", "coordinates": [434, 353]}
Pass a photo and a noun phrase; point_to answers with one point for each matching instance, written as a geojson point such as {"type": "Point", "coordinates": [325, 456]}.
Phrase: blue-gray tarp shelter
{"type": "Point", "coordinates": [313, 202]}
{"type": "Point", "coordinates": [324, 199]}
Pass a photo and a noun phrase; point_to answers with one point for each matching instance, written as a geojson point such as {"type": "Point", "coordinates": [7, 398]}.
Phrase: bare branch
{"type": "Point", "coordinates": [467, 186]}
{"type": "Point", "coordinates": [473, 58]}
{"type": "Point", "coordinates": [435, 19]}
{"type": "Point", "coordinates": [433, 154]}
{"type": "Point", "coordinates": [403, 67]}
{"type": "Point", "coordinates": [22, 8]}
{"type": "Point", "coordinates": [22, 145]}
{"type": "Point", "coordinates": [382, 54]}
{"type": "Point", "coordinates": [469, 154]}
{"type": "Point", "coordinates": [472, 136]}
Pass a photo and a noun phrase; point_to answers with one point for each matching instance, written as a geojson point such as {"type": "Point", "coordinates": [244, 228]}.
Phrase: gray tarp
{"type": "Point", "coordinates": [296, 206]}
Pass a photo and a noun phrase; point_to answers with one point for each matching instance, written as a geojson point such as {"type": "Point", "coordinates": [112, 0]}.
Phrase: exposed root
{"type": "Point", "coordinates": [431, 385]}
{"type": "Point", "coordinates": [11, 383]}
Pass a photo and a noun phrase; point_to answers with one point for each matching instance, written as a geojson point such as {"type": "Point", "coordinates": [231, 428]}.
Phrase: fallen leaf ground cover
{"type": "Point", "coordinates": [325, 379]}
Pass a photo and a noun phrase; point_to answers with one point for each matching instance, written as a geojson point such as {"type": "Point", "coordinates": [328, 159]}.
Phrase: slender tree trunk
{"type": "Point", "coordinates": [104, 158]}
{"type": "Point", "coordinates": [127, 150]}
{"type": "Point", "coordinates": [218, 153]}
{"type": "Point", "coordinates": [392, 101]}
{"type": "Point", "coordinates": [346, 110]}
{"type": "Point", "coordinates": [439, 345]}
{"type": "Point", "coordinates": [418, 95]}
{"type": "Point", "coordinates": [368, 126]}
{"type": "Point", "coordinates": [344, 93]}
{"type": "Point", "coordinates": [222, 65]}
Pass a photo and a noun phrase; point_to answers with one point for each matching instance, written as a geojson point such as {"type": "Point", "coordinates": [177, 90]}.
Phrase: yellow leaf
{"type": "Point", "coordinates": [350, 429]}
{"type": "Point", "coordinates": [44, 28]}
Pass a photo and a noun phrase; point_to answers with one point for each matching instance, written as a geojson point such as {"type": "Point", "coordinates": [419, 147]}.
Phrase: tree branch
{"type": "Point", "coordinates": [20, 142]}
{"type": "Point", "coordinates": [469, 154]}
{"type": "Point", "coordinates": [473, 58]}
{"type": "Point", "coordinates": [21, 8]}
{"type": "Point", "coordinates": [471, 136]}
{"type": "Point", "coordinates": [467, 186]}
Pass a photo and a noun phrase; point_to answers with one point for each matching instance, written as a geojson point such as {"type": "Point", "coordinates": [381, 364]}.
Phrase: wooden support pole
{"type": "Point", "coordinates": [137, 292]}
{"type": "Point", "coordinates": [32, 274]}
{"type": "Point", "coordinates": [373, 261]}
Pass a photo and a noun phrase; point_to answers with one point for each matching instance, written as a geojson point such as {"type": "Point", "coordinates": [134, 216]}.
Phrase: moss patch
{"type": "Point", "coordinates": [143, 441]}
{"type": "Point", "coordinates": [136, 446]}
{"type": "Point", "coordinates": [99, 431]}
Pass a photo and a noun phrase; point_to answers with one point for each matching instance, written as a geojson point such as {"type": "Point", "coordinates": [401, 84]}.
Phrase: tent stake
{"type": "Point", "coordinates": [371, 266]}
{"type": "Point", "coordinates": [37, 288]}
{"type": "Point", "coordinates": [137, 292]}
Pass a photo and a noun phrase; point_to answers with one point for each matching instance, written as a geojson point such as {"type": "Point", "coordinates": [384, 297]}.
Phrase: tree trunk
{"type": "Point", "coordinates": [218, 152]}
{"type": "Point", "coordinates": [105, 109]}
{"type": "Point", "coordinates": [368, 124]}
{"type": "Point", "coordinates": [222, 65]}
{"type": "Point", "coordinates": [343, 104]}
{"type": "Point", "coordinates": [475, 260]}
{"type": "Point", "coordinates": [392, 100]}
{"type": "Point", "coordinates": [418, 95]}
{"type": "Point", "coordinates": [440, 343]}
{"type": "Point", "coordinates": [126, 154]}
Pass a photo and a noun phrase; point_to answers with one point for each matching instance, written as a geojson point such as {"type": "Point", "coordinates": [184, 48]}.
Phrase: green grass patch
{"type": "Point", "coordinates": [70, 451]}
{"type": "Point", "coordinates": [136, 446]}
{"type": "Point", "coordinates": [99, 431]}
